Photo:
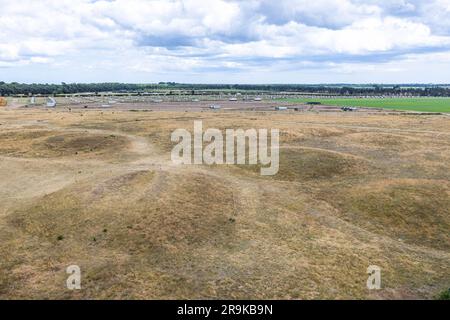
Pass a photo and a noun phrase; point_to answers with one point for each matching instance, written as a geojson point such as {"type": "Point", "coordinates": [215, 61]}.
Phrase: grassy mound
{"type": "Point", "coordinates": [381, 141]}
{"type": "Point", "coordinates": [128, 202]}
{"type": "Point", "coordinates": [417, 212]}
{"type": "Point", "coordinates": [304, 164]}
{"type": "Point", "coordinates": [69, 144]}
{"type": "Point", "coordinates": [145, 222]}
{"type": "Point", "coordinates": [51, 144]}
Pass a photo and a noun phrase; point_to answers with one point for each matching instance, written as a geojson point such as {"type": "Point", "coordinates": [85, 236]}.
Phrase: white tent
{"type": "Point", "coordinates": [51, 103]}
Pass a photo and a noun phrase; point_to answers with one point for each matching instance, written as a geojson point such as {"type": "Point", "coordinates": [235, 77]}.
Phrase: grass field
{"type": "Point", "coordinates": [407, 104]}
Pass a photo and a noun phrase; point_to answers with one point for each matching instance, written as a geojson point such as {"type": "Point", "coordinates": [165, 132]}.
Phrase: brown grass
{"type": "Point", "coordinates": [54, 144]}
{"type": "Point", "coordinates": [97, 189]}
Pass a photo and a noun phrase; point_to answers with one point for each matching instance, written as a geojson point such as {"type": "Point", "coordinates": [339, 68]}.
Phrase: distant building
{"type": "Point", "coordinates": [51, 103]}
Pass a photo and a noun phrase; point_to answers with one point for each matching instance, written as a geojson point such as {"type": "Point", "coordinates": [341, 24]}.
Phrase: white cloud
{"type": "Point", "coordinates": [194, 36]}
{"type": "Point", "coordinates": [328, 13]}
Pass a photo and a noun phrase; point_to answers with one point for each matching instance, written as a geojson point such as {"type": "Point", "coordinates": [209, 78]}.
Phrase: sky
{"type": "Point", "coordinates": [218, 41]}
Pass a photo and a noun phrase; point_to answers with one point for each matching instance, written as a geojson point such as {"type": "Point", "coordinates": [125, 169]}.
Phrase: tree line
{"type": "Point", "coordinates": [14, 88]}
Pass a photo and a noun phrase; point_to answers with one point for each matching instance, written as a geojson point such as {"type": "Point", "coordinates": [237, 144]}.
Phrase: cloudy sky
{"type": "Point", "coordinates": [218, 41]}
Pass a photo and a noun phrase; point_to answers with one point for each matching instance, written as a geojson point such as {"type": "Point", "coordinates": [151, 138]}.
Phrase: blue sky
{"type": "Point", "coordinates": [218, 41]}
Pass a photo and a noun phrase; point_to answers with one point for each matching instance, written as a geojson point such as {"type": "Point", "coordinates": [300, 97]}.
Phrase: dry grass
{"type": "Point", "coordinates": [54, 144]}
{"type": "Point", "coordinates": [97, 189]}
{"type": "Point", "coordinates": [414, 211]}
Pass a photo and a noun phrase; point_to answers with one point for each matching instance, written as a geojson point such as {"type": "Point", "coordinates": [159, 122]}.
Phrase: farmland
{"type": "Point", "coordinates": [405, 104]}
{"type": "Point", "coordinates": [96, 188]}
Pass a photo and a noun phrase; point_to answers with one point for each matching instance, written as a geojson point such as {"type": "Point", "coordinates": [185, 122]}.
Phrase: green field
{"type": "Point", "coordinates": [409, 104]}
